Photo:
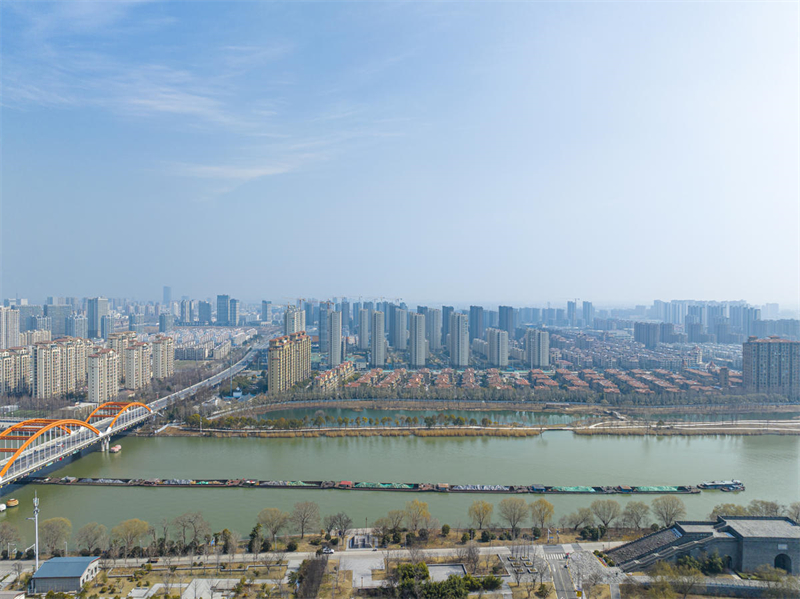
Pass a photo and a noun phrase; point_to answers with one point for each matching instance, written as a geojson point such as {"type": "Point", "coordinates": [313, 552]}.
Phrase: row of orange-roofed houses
{"type": "Point", "coordinates": [330, 379]}
{"type": "Point", "coordinates": [609, 381]}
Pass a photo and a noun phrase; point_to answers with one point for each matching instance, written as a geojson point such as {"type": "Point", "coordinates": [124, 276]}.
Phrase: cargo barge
{"type": "Point", "coordinates": [346, 485]}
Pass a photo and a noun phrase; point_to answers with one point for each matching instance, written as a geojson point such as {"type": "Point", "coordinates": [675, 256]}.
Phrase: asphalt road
{"type": "Point", "coordinates": [565, 589]}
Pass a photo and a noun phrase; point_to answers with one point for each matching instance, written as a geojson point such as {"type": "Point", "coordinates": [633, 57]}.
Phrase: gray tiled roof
{"type": "Point", "coordinates": [764, 527]}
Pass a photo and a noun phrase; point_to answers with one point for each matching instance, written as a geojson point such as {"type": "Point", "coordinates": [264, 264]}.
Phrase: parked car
{"type": "Point", "coordinates": [327, 550]}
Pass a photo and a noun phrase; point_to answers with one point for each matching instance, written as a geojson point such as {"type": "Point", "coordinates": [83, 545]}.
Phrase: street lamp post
{"type": "Point", "coordinates": [36, 527]}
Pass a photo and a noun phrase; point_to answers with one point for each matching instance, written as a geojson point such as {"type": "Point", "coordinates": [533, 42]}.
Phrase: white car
{"type": "Point", "coordinates": [327, 550]}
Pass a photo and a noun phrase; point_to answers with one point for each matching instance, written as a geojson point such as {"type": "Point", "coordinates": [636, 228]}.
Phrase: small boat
{"type": "Point", "coordinates": [115, 449]}
{"type": "Point", "coordinates": [12, 502]}
{"type": "Point", "coordinates": [2, 507]}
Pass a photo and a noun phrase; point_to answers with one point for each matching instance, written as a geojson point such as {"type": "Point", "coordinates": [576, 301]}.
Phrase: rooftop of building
{"type": "Point", "coordinates": [64, 567]}
{"type": "Point", "coordinates": [781, 528]}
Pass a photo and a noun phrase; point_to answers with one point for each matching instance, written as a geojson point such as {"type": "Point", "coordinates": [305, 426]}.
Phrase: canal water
{"type": "Point", "coordinates": [768, 465]}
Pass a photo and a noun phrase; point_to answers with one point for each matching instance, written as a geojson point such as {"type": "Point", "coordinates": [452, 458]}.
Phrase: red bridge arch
{"type": "Point", "coordinates": [115, 409]}
{"type": "Point", "coordinates": [28, 431]}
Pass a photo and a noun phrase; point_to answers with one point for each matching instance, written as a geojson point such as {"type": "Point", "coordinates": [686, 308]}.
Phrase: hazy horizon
{"type": "Point", "coordinates": [520, 152]}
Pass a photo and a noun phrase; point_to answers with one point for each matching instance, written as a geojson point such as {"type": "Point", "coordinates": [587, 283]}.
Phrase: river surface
{"type": "Point", "coordinates": [768, 465]}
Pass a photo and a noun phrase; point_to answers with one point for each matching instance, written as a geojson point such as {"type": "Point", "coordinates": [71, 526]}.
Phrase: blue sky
{"type": "Point", "coordinates": [476, 152]}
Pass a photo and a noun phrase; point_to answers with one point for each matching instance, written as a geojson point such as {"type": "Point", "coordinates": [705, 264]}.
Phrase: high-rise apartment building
{"type": "Point", "coordinates": [334, 338]}
{"type": "Point", "coordinates": [107, 326]}
{"type": "Point", "coordinates": [459, 340]}
{"type": "Point", "coordinates": [771, 366]}
{"type": "Point", "coordinates": [363, 328]}
{"type": "Point", "coordinates": [537, 348]}
{"type": "Point", "coordinates": [446, 312]}
{"type": "Point", "coordinates": [572, 313]}
{"type": "Point", "coordinates": [234, 313]}
{"type": "Point", "coordinates": [166, 322]}
{"type": "Point", "coordinates": [58, 315]}
{"type": "Point", "coordinates": [400, 329]}
{"type": "Point", "coordinates": [417, 341]}
{"type": "Point", "coordinates": [118, 342]}
{"type": "Point", "coordinates": [646, 333]}
{"type": "Point", "coordinates": [77, 326]}
{"type": "Point", "coordinates": [322, 330]}
{"type": "Point", "coordinates": [294, 320]}
{"type": "Point", "coordinates": [377, 346]}
{"type": "Point", "coordinates": [167, 297]}
{"type": "Point", "coordinates": [289, 361]}
{"type": "Point", "coordinates": [344, 308]}
{"type": "Point", "coordinates": [15, 370]}
{"type": "Point", "coordinates": [588, 315]}
{"type": "Point", "coordinates": [266, 311]}
{"type": "Point", "coordinates": [104, 376]}
{"type": "Point", "coordinates": [163, 350]}
{"type": "Point", "coordinates": [137, 365]}
{"type": "Point", "coordinates": [204, 313]}
{"type": "Point", "coordinates": [476, 323]}
{"type": "Point", "coordinates": [9, 328]}
{"type": "Point", "coordinates": [497, 341]}
{"type": "Point", "coordinates": [223, 309]}
{"type": "Point", "coordinates": [433, 328]}
{"type": "Point", "coordinates": [186, 312]}
{"type": "Point", "coordinates": [46, 370]}
{"type": "Point", "coordinates": [73, 363]}
{"type": "Point", "coordinates": [96, 308]}
{"type": "Point", "coordinates": [507, 322]}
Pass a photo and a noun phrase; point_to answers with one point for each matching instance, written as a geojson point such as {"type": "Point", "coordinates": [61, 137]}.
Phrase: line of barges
{"type": "Point", "coordinates": [347, 485]}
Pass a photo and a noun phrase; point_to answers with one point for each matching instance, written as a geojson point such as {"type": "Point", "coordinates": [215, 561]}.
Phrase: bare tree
{"type": "Point", "coordinates": [416, 512]}
{"type": "Point", "coordinates": [668, 509]}
{"type": "Point", "coordinates": [606, 510]}
{"type": "Point", "coordinates": [305, 515]}
{"type": "Point", "coordinates": [273, 520]}
{"type": "Point", "coordinates": [469, 555]}
{"type": "Point", "coordinates": [480, 512]}
{"type": "Point", "coordinates": [343, 523]}
{"type": "Point", "coordinates": [395, 518]}
{"type": "Point", "coordinates": [542, 512]}
{"type": "Point", "coordinates": [514, 511]}
{"type": "Point", "coordinates": [634, 514]}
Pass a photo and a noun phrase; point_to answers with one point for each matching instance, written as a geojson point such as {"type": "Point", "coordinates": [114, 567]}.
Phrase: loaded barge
{"type": "Point", "coordinates": [347, 485]}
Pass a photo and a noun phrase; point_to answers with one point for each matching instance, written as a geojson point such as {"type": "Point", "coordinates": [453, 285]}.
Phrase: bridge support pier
{"type": "Point", "coordinates": [105, 444]}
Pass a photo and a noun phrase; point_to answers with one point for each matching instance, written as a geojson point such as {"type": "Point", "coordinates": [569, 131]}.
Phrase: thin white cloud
{"type": "Point", "coordinates": [233, 172]}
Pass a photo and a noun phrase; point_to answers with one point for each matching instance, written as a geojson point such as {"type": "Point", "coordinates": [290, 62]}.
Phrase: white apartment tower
{"type": "Point", "coordinates": [417, 344]}
{"type": "Point", "coordinates": [377, 342]}
{"type": "Point", "coordinates": [294, 320]}
{"type": "Point", "coordinates": [459, 340]}
{"type": "Point", "coordinates": [104, 370]}
{"type": "Point", "coordinates": [537, 348]}
{"type": "Point", "coordinates": [498, 347]}
{"type": "Point", "coordinates": [433, 329]}
{"type": "Point", "coordinates": [46, 367]}
{"type": "Point", "coordinates": [138, 372]}
{"type": "Point", "coordinates": [9, 328]}
{"type": "Point", "coordinates": [163, 349]}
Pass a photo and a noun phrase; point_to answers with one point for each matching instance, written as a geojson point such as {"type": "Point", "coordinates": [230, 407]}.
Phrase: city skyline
{"type": "Point", "coordinates": [531, 124]}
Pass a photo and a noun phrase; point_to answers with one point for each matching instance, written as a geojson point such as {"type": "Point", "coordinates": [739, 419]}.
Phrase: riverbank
{"type": "Point", "coordinates": [574, 409]}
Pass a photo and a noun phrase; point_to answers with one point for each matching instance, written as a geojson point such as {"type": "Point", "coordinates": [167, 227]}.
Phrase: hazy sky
{"type": "Point", "coordinates": [494, 152]}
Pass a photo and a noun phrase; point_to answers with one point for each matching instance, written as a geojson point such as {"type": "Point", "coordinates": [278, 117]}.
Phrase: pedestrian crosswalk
{"type": "Point", "coordinates": [555, 555]}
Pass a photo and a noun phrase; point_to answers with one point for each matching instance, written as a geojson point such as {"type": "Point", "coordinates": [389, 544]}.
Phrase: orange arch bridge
{"type": "Point", "coordinates": [37, 440]}
{"type": "Point", "coordinates": [114, 410]}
